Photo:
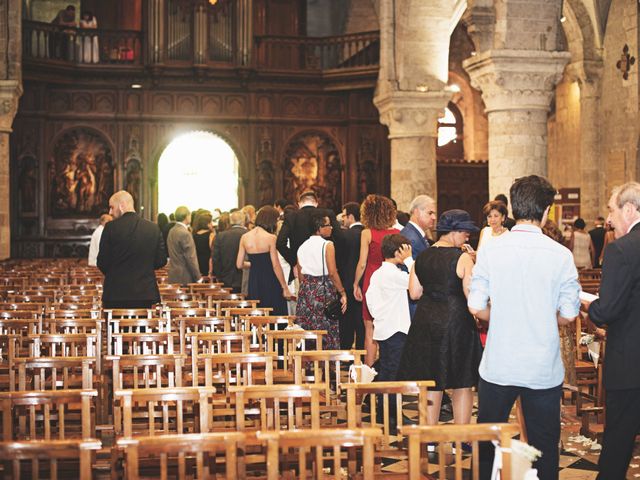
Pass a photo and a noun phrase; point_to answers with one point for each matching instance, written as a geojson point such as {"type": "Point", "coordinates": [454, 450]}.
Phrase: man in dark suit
{"type": "Point", "coordinates": [619, 309]}
{"type": "Point", "coordinates": [183, 260]}
{"type": "Point", "coordinates": [422, 217]}
{"type": "Point", "coordinates": [297, 228]}
{"type": "Point", "coordinates": [351, 326]}
{"type": "Point", "coordinates": [597, 237]}
{"type": "Point", "coordinates": [131, 248]}
{"type": "Point", "coordinates": [225, 251]}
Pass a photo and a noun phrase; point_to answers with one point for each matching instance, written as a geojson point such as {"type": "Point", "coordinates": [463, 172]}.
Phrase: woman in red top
{"type": "Point", "coordinates": [377, 214]}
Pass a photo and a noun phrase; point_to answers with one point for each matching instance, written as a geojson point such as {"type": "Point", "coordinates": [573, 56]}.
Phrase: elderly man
{"type": "Point", "coordinates": [225, 250]}
{"type": "Point", "coordinates": [619, 309]}
{"type": "Point", "coordinates": [131, 248]}
{"type": "Point", "coordinates": [525, 284]}
{"type": "Point", "coordinates": [94, 245]}
{"type": "Point", "coordinates": [183, 260]}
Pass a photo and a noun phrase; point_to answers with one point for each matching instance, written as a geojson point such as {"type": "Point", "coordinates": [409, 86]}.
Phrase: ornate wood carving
{"type": "Point", "coordinates": [312, 162]}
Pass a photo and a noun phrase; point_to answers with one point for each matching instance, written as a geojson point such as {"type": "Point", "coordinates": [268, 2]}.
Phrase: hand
{"type": "Point", "coordinates": [286, 293]}
{"type": "Point", "coordinates": [357, 293]}
{"type": "Point", "coordinates": [403, 252]}
{"type": "Point", "coordinates": [343, 302]}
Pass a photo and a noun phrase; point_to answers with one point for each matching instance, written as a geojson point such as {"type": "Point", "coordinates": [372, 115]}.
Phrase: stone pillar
{"type": "Point", "coordinates": [588, 76]}
{"type": "Point", "coordinates": [10, 91]}
{"type": "Point", "coordinates": [412, 119]}
{"type": "Point", "coordinates": [517, 87]}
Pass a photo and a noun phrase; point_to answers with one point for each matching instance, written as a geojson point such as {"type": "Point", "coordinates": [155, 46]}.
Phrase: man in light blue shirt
{"type": "Point", "coordinates": [525, 284]}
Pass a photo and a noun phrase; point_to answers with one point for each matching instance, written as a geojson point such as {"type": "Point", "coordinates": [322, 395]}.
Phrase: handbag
{"type": "Point", "coordinates": [332, 309]}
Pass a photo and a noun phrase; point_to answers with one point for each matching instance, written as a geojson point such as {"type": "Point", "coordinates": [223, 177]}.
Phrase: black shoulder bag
{"type": "Point", "coordinates": [333, 309]}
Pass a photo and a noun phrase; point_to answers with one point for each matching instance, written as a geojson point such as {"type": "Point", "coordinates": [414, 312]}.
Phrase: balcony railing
{"type": "Point", "coordinates": [43, 41]}
{"type": "Point", "coordinates": [47, 43]}
{"type": "Point", "coordinates": [318, 53]}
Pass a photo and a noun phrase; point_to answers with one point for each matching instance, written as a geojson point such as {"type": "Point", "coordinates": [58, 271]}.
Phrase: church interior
{"type": "Point", "coordinates": [224, 103]}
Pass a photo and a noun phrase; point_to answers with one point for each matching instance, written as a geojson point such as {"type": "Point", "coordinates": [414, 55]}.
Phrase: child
{"type": "Point", "coordinates": [388, 303]}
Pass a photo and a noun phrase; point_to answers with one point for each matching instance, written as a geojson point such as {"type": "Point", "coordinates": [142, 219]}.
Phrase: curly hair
{"type": "Point", "coordinates": [377, 212]}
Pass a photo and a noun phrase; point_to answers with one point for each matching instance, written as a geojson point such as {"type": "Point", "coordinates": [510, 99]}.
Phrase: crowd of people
{"type": "Point", "coordinates": [423, 308]}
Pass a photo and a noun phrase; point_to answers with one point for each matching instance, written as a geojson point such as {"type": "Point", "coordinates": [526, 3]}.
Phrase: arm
{"type": "Point", "coordinates": [480, 238]}
{"type": "Point", "coordinates": [216, 257]}
{"type": "Point", "coordinates": [365, 240]}
{"type": "Point", "coordinates": [478, 296]}
{"type": "Point", "coordinates": [569, 293]}
{"type": "Point", "coordinates": [415, 287]}
{"type": "Point", "coordinates": [240, 263]}
{"type": "Point", "coordinates": [284, 240]}
{"type": "Point", "coordinates": [571, 241]}
{"type": "Point", "coordinates": [615, 288]}
{"type": "Point", "coordinates": [592, 252]}
{"type": "Point", "coordinates": [277, 268]}
{"type": "Point", "coordinates": [189, 249]}
{"type": "Point", "coordinates": [160, 259]}
{"type": "Point", "coordinates": [464, 268]}
{"type": "Point", "coordinates": [330, 256]}
{"type": "Point", "coordinates": [104, 252]}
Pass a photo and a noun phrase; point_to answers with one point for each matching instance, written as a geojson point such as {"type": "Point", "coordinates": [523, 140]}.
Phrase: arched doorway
{"type": "Point", "coordinates": [198, 170]}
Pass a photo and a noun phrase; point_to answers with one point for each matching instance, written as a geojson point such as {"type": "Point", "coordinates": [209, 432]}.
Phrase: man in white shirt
{"type": "Point", "coordinates": [94, 246]}
{"type": "Point", "coordinates": [525, 284]}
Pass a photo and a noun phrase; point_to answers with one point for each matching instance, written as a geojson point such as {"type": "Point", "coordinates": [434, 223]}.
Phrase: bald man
{"type": "Point", "coordinates": [131, 248]}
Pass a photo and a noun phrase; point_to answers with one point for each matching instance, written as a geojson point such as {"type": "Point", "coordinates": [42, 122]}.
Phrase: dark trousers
{"type": "Point", "coordinates": [351, 324]}
{"type": "Point", "coordinates": [622, 426]}
{"type": "Point", "coordinates": [541, 410]}
{"type": "Point", "coordinates": [390, 351]}
{"type": "Point", "coordinates": [128, 304]}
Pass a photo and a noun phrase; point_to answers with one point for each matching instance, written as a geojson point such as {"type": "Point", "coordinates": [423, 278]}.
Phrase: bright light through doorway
{"type": "Point", "coordinates": [199, 170]}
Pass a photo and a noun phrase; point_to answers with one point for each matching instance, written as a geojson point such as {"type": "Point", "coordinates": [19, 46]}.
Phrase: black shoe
{"type": "Point", "coordinates": [446, 413]}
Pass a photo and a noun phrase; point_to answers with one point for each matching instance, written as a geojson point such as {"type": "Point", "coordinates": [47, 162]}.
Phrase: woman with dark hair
{"type": "Point", "coordinates": [203, 238]}
{"type": "Point", "coordinates": [378, 215]}
{"type": "Point", "coordinates": [443, 342]}
{"type": "Point", "coordinates": [320, 283]}
{"type": "Point", "coordinates": [581, 245]}
{"type": "Point", "coordinates": [496, 213]}
{"type": "Point", "coordinates": [266, 280]}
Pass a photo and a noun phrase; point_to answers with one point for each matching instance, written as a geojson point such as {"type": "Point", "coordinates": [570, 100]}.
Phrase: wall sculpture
{"type": "Point", "coordinates": [81, 174]}
{"type": "Point", "coordinates": [312, 162]}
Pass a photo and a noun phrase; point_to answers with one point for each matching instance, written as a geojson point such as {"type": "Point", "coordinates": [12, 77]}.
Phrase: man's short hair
{"type": "Point", "coordinates": [627, 193]}
{"type": "Point", "coordinates": [600, 219]}
{"type": "Point", "coordinates": [391, 243]}
{"type": "Point", "coordinates": [307, 196]}
{"type": "Point", "coordinates": [281, 203]}
{"type": "Point", "coordinates": [237, 217]}
{"type": "Point", "coordinates": [181, 214]}
{"type": "Point", "coordinates": [420, 202]}
{"type": "Point", "coordinates": [352, 208]}
{"type": "Point", "coordinates": [501, 197]}
{"type": "Point", "coordinates": [530, 197]}
{"type": "Point", "coordinates": [579, 223]}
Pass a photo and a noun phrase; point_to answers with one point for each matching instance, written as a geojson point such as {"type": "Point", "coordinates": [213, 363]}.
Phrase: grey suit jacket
{"type": "Point", "coordinates": [183, 261]}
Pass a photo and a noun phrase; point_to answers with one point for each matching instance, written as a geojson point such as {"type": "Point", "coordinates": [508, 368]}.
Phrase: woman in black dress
{"type": "Point", "coordinates": [443, 342]}
{"type": "Point", "coordinates": [202, 237]}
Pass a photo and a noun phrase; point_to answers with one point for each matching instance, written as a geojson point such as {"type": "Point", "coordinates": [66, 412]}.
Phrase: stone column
{"type": "Point", "coordinates": [517, 87]}
{"type": "Point", "coordinates": [10, 91]}
{"type": "Point", "coordinates": [412, 119]}
{"type": "Point", "coordinates": [588, 75]}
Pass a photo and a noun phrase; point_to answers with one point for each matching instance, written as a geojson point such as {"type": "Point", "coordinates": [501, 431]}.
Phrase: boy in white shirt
{"type": "Point", "coordinates": [388, 303]}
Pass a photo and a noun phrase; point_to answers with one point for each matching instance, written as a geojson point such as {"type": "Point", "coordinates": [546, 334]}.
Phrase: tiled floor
{"type": "Point", "coordinates": [578, 457]}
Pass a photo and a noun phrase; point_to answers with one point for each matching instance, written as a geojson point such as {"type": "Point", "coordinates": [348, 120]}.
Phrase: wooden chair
{"type": "Point", "coordinates": [63, 345]}
{"type": "Point", "coordinates": [190, 325]}
{"type": "Point", "coordinates": [177, 410]}
{"type": "Point", "coordinates": [456, 434]}
{"type": "Point", "coordinates": [166, 447]}
{"type": "Point", "coordinates": [8, 350]}
{"type": "Point", "coordinates": [326, 367]}
{"type": "Point", "coordinates": [62, 455]}
{"type": "Point", "coordinates": [310, 446]}
{"type": "Point", "coordinates": [236, 369]}
{"type": "Point", "coordinates": [55, 373]}
{"type": "Point", "coordinates": [260, 325]}
{"type": "Point", "coordinates": [216, 342]}
{"type": "Point", "coordinates": [117, 322]}
{"type": "Point", "coordinates": [148, 343]}
{"type": "Point", "coordinates": [286, 341]}
{"type": "Point", "coordinates": [386, 391]}
{"type": "Point", "coordinates": [48, 414]}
